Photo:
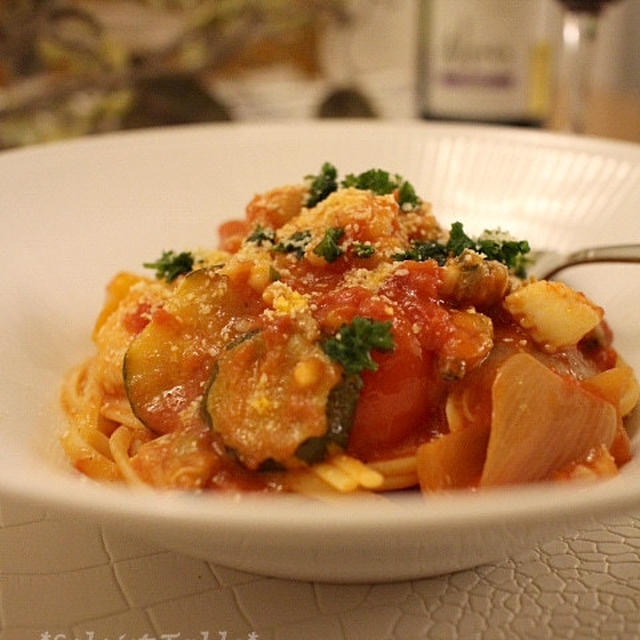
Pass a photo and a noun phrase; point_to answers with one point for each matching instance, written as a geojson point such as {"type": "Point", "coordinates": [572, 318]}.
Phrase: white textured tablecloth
{"type": "Point", "coordinates": [70, 579]}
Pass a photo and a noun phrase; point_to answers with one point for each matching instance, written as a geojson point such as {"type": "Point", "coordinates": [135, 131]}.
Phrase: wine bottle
{"type": "Point", "coordinates": [484, 60]}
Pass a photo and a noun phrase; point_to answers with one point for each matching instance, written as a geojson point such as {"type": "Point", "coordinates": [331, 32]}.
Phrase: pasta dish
{"type": "Point", "coordinates": [340, 340]}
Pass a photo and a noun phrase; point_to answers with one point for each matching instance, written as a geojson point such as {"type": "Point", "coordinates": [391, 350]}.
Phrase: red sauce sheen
{"type": "Point", "coordinates": [137, 320]}
{"type": "Point", "coordinates": [233, 376]}
{"type": "Point", "coordinates": [402, 403]}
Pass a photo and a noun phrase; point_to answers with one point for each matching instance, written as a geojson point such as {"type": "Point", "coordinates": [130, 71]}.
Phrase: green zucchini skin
{"type": "Point", "coordinates": [168, 364]}
{"type": "Point", "coordinates": [256, 405]}
{"type": "Point", "coordinates": [341, 409]}
{"type": "Point", "coordinates": [183, 369]}
{"type": "Point", "coordinates": [206, 416]}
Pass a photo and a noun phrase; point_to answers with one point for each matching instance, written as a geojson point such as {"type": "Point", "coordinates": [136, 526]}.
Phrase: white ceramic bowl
{"type": "Point", "coordinates": [74, 213]}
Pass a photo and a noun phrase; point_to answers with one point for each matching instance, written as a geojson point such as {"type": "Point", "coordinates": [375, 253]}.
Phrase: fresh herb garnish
{"type": "Point", "coordinates": [321, 185]}
{"type": "Point", "coordinates": [498, 245]}
{"type": "Point", "coordinates": [351, 346]}
{"type": "Point", "coordinates": [375, 180]}
{"type": "Point", "coordinates": [407, 197]}
{"type": "Point", "coordinates": [262, 234]}
{"type": "Point", "coordinates": [421, 251]}
{"type": "Point", "coordinates": [458, 240]}
{"type": "Point", "coordinates": [362, 250]}
{"type": "Point", "coordinates": [382, 183]}
{"type": "Point", "coordinates": [494, 245]}
{"type": "Point", "coordinates": [296, 243]}
{"type": "Point", "coordinates": [170, 265]}
{"type": "Point", "coordinates": [328, 248]}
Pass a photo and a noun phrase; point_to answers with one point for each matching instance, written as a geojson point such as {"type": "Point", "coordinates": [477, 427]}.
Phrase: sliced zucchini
{"type": "Point", "coordinates": [168, 365]}
{"type": "Point", "coordinates": [340, 411]}
{"type": "Point", "coordinates": [269, 393]}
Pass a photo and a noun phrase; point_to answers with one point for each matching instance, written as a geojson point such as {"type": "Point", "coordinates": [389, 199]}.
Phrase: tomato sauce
{"type": "Point", "coordinates": [402, 404]}
{"type": "Point", "coordinates": [399, 400]}
{"type": "Point", "coordinates": [138, 319]}
{"type": "Point", "coordinates": [355, 325]}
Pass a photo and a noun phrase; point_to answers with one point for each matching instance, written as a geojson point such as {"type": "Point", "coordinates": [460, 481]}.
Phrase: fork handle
{"type": "Point", "coordinates": [613, 253]}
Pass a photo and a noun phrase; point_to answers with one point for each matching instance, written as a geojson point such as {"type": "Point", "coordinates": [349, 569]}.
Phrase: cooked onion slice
{"type": "Point", "coordinates": [452, 461]}
{"type": "Point", "coordinates": [541, 422]}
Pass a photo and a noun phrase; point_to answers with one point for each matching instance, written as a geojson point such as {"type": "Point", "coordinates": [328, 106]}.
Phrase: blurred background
{"type": "Point", "coordinates": [77, 67]}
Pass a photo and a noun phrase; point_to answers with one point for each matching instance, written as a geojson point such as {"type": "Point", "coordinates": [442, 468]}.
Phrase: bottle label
{"type": "Point", "coordinates": [484, 60]}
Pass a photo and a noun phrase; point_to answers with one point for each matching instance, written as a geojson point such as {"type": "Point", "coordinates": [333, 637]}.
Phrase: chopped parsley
{"type": "Point", "coordinates": [407, 197]}
{"type": "Point", "coordinates": [322, 185]}
{"type": "Point", "coordinates": [375, 180]}
{"type": "Point", "coordinates": [458, 240]}
{"type": "Point", "coordinates": [421, 251]}
{"type": "Point", "coordinates": [351, 346]}
{"type": "Point", "coordinates": [262, 234]}
{"type": "Point", "coordinates": [362, 250]}
{"type": "Point", "coordinates": [296, 243]}
{"type": "Point", "coordinates": [382, 183]}
{"type": "Point", "coordinates": [170, 265]}
{"type": "Point", "coordinates": [494, 245]}
{"type": "Point", "coordinates": [498, 245]}
{"type": "Point", "coordinates": [328, 248]}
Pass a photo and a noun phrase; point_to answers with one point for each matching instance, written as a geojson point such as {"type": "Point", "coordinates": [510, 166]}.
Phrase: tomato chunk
{"type": "Point", "coordinates": [395, 400]}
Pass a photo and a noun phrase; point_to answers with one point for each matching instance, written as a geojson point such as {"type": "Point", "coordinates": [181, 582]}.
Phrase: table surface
{"type": "Point", "coordinates": [63, 578]}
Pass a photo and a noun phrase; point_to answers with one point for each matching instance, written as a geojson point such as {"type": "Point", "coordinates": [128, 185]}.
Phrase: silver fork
{"type": "Point", "coordinates": [547, 263]}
